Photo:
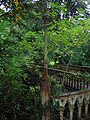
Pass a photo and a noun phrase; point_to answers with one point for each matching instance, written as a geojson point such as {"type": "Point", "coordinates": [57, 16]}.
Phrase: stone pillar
{"type": "Point", "coordinates": [61, 113]}
{"type": "Point", "coordinates": [45, 83]}
{"type": "Point", "coordinates": [71, 107]}
{"type": "Point", "coordinates": [86, 107]}
{"type": "Point", "coordinates": [79, 110]}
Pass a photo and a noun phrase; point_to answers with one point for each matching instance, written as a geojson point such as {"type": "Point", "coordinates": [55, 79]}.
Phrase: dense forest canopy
{"type": "Point", "coordinates": [31, 21]}
{"type": "Point", "coordinates": [22, 44]}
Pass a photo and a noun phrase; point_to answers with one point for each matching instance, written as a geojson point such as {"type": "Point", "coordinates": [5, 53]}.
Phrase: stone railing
{"type": "Point", "coordinates": [72, 81]}
{"type": "Point", "coordinates": [73, 98]}
{"type": "Point", "coordinates": [68, 79]}
{"type": "Point", "coordinates": [76, 69]}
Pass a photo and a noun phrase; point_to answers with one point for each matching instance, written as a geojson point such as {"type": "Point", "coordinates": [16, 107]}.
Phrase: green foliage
{"type": "Point", "coordinates": [17, 100]}
{"type": "Point", "coordinates": [69, 40]}
{"type": "Point", "coordinates": [86, 76]}
{"type": "Point", "coordinates": [22, 43]}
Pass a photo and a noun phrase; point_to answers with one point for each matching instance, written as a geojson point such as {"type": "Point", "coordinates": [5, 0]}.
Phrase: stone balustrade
{"type": "Point", "coordinates": [69, 79]}
{"type": "Point", "coordinates": [81, 69]}
{"type": "Point", "coordinates": [72, 81]}
{"type": "Point", "coordinates": [72, 98]}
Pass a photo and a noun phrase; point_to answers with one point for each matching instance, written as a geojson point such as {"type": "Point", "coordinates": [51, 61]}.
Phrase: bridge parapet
{"type": "Point", "coordinates": [72, 81]}
{"type": "Point", "coordinates": [73, 98]}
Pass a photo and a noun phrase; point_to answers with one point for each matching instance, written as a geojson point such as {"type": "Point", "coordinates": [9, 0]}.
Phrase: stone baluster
{"type": "Point", "coordinates": [72, 83]}
{"type": "Point", "coordinates": [61, 112]}
{"type": "Point", "coordinates": [80, 104]}
{"type": "Point", "coordinates": [83, 84]}
{"type": "Point", "coordinates": [77, 84]}
{"type": "Point", "coordinates": [66, 81]}
{"type": "Point", "coordinates": [79, 110]}
{"type": "Point", "coordinates": [69, 81]}
{"type": "Point", "coordinates": [86, 107]}
{"type": "Point", "coordinates": [80, 84]}
{"type": "Point", "coordinates": [71, 107]}
{"type": "Point", "coordinates": [86, 101]}
{"type": "Point", "coordinates": [87, 84]}
{"type": "Point", "coordinates": [62, 103]}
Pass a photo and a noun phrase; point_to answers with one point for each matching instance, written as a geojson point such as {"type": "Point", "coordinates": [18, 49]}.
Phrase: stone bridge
{"type": "Point", "coordinates": [80, 97]}
{"type": "Point", "coordinates": [72, 98]}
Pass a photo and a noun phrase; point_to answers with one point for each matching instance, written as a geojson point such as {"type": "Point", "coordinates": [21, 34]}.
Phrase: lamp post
{"type": "Point", "coordinates": [45, 84]}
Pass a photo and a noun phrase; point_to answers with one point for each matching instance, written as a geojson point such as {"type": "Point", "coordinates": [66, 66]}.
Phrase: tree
{"type": "Point", "coordinates": [21, 44]}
